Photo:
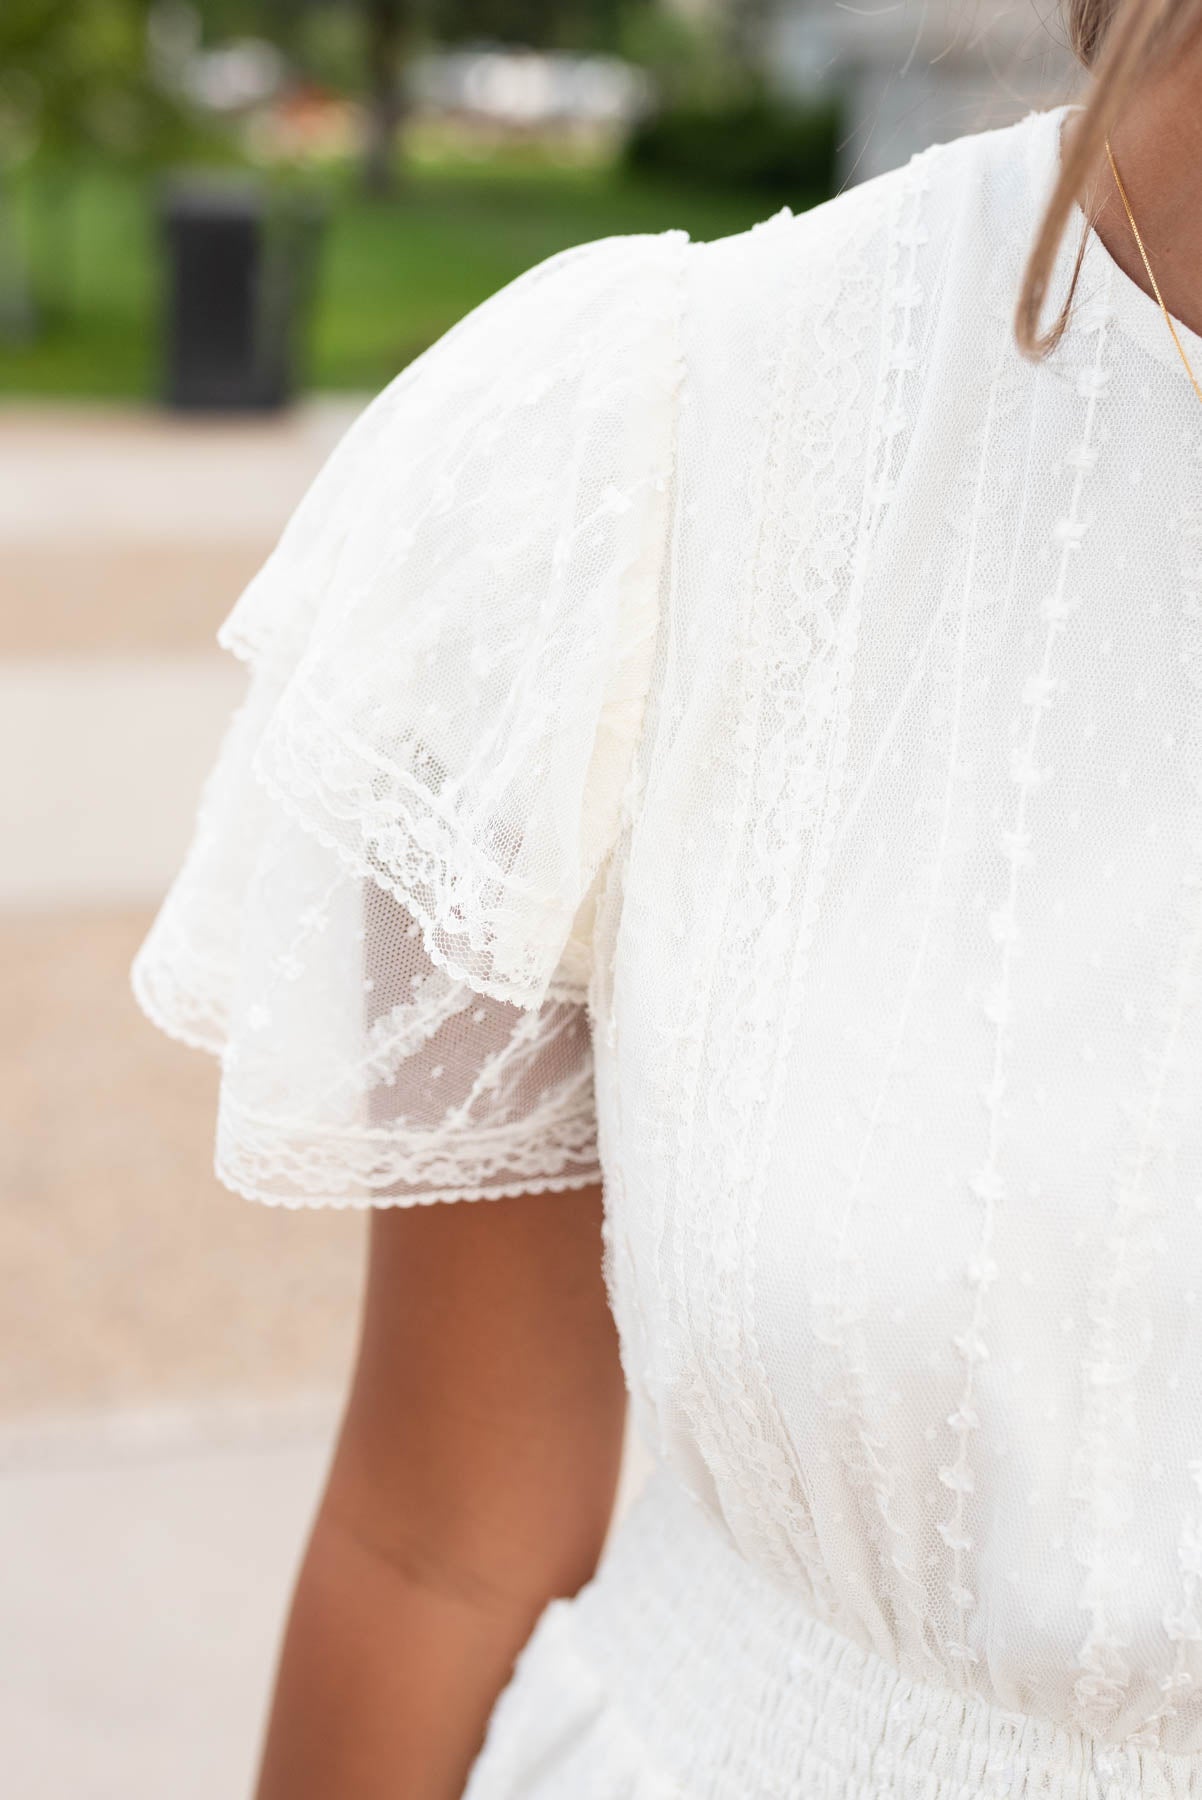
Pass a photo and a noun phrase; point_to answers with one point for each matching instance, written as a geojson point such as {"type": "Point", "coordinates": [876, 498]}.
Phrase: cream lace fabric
{"type": "Point", "coordinates": [724, 720]}
{"type": "Point", "coordinates": [383, 923]}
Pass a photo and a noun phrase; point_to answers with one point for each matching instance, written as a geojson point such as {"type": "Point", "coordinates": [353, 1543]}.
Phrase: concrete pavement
{"type": "Point", "coordinates": [145, 1582]}
{"type": "Point", "coordinates": [170, 1356]}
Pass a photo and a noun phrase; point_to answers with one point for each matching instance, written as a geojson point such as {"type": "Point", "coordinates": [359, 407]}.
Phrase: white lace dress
{"type": "Point", "coordinates": [723, 719]}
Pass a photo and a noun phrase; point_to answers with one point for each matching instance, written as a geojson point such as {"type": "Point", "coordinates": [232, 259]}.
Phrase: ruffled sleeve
{"type": "Point", "coordinates": [382, 925]}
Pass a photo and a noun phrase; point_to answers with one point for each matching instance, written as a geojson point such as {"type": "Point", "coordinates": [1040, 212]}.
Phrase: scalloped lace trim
{"type": "Point", "coordinates": [432, 1197]}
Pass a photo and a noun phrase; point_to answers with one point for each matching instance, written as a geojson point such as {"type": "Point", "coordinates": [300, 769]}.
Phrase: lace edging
{"type": "Point", "coordinates": [172, 1025]}
{"type": "Point", "coordinates": [541, 1184]}
{"type": "Point", "coordinates": [143, 985]}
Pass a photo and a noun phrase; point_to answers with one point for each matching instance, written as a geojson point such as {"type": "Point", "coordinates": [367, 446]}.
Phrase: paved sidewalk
{"type": "Point", "coordinates": [125, 529]}
{"type": "Point", "coordinates": [101, 763]}
{"type": "Point", "coordinates": [144, 1589]}
{"type": "Point", "coordinates": [160, 1339]}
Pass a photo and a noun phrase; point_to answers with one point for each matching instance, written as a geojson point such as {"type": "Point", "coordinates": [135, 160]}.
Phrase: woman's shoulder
{"type": "Point", "coordinates": [981, 190]}
{"type": "Point", "coordinates": [975, 178]}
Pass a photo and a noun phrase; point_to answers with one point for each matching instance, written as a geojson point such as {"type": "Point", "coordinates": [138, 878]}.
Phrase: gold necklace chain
{"type": "Point", "coordinates": [1168, 318]}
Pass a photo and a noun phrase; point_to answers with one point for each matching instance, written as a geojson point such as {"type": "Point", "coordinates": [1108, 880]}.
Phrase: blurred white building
{"type": "Point", "coordinates": [915, 72]}
{"type": "Point", "coordinates": [529, 88]}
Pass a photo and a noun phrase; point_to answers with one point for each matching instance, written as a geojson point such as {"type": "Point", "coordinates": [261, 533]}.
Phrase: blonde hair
{"type": "Point", "coordinates": [1118, 41]}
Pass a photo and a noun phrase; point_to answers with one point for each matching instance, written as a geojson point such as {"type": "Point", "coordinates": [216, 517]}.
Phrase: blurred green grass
{"type": "Point", "coordinates": [393, 275]}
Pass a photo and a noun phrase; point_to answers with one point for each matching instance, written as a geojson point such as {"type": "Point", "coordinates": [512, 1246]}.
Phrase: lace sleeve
{"type": "Point", "coordinates": [381, 926]}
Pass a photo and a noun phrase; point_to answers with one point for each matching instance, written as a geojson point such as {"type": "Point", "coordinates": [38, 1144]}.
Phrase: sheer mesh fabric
{"type": "Point", "coordinates": [384, 923]}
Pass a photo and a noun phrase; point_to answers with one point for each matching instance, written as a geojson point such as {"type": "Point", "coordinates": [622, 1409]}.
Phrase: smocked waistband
{"type": "Point", "coordinates": [738, 1695]}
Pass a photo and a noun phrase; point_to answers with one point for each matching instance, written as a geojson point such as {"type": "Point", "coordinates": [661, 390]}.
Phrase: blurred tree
{"type": "Point", "coordinates": [386, 22]}
{"type": "Point", "coordinates": [74, 84]}
{"type": "Point", "coordinates": [745, 24]}
{"type": "Point", "coordinates": [75, 80]}
{"type": "Point", "coordinates": [686, 55]}
{"type": "Point", "coordinates": [328, 46]}
{"type": "Point", "coordinates": [754, 143]}
{"type": "Point", "coordinates": [361, 43]}
{"type": "Point", "coordinates": [541, 24]}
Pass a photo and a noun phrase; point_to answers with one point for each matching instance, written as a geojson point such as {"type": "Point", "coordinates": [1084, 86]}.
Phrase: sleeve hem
{"type": "Point", "coordinates": [150, 976]}
{"type": "Point", "coordinates": [430, 1197]}
{"type": "Point", "coordinates": [292, 1161]}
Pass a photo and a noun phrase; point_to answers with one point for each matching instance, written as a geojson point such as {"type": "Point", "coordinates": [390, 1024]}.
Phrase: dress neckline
{"type": "Point", "coordinates": [1136, 312]}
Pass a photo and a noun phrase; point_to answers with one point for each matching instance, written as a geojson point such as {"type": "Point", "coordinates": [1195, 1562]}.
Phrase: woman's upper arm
{"type": "Point", "coordinates": [483, 1433]}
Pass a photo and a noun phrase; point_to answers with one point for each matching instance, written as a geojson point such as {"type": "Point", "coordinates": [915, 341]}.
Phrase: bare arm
{"type": "Point", "coordinates": [473, 1479]}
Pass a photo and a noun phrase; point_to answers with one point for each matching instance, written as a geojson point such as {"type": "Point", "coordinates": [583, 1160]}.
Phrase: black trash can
{"type": "Point", "coordinates": [239, 279]}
